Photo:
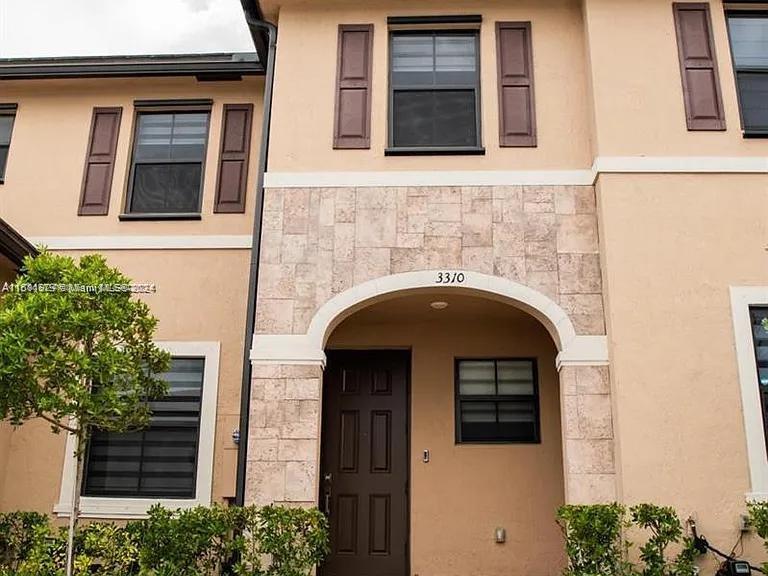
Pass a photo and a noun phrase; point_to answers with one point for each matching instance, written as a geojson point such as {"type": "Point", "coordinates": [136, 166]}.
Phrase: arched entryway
{"type": "Point", "coordinates": [285, 434]}
{"type": "Point", "coordinates": [441, 426]}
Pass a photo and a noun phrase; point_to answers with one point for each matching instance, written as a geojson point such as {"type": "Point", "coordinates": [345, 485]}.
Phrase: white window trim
{"type": "Point", "coordinates": [742, 297]}
{"type": "Point", "coordinates": [127, 508]}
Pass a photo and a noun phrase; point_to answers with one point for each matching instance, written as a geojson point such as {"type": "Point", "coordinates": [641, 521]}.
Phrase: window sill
{"type": "Point", "coordinates": [124, 508]}
{"type": "Point", "coordinates": [497, 442]}
{"type": "Point", "coordinates": [436, 151]}
{"type": "Point", "coordinates": [161, 216]}
{"type": "Point", "coordinates": [755, 134]}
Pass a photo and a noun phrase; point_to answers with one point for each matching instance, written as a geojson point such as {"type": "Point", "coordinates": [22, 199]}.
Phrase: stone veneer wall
{"type": "Point", "coordinates": [588, 445]}
{"type": "Point", "coordinates": [284, 433]}
{"type": "Point", "coordinates": [319, 242]}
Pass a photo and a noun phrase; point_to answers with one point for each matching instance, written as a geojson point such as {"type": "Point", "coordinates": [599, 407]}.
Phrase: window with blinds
{"type": "Point", "coordinates": [748, 32]}
{"type": "Point", "coordinates": [759, 317]}
{"type": "Point", "coordinates": [167, 169]}
{"type": "Point", "coordinates": [497, 401]}
{"type": "Point", "coordinates": [434, 87]}
{"type": "Point", "coordinates": [160, 461]}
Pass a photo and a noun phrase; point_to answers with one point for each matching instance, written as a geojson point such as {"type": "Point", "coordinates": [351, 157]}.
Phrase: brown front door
{"type": "Point", "coordinates": [364, 462]}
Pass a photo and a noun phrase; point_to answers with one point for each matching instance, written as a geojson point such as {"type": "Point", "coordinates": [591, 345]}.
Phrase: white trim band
{"type": "Point", "coordinates": [128, 508]}
{"type": "Point", "coordinates": [681, 164]}
{"type": "Point", "coordinates": [584, 177]}
{"type": "Point", "coordinates": [286, 349]}
{"type": "Point", "coordinates": [584, 351]}
{"type": "Point", "coordinates": [428, 178]}
{"type": "Point", "coordinates": [128, 242]}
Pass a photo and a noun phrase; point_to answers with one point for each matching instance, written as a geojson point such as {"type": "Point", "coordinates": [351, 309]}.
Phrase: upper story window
{"type": "Point", "coordinates": [759, 315]}
{"type": "Point", "coordinates": [167, 165]}
{"type": "Point", "coordinates": [497, 401]}
{"type": "Point", "coordinates": [434, 91]}
{"type": "Point", "coordinates": [160, 461]}
{"type": "Point", "coordinates": [748, 33]}
{"type": "Point", "coordinates": [7, 116]}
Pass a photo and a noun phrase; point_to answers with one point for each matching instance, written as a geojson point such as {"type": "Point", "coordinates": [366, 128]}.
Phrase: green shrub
{"type": "Point", "coordinates": [270, 541]}
{"type": "Point", "coordinates": [47, 553]}
{"type": "Point", "coordinates": [758, 517]}
{"type": "Point", "coordinates": [596, 546]}
{"type": "Point", "coordinates": [107, 550]}
{"type": "Point", "coordinates": [294, 540]}
{"type": "Point", "coordinates": [189, 542]}
{"type": "Point", "coordinates": [593, 539]}
{"type": "Point", "coordinates": [666, 530]}
{"type": "Point", "coordinates": [16, 535]}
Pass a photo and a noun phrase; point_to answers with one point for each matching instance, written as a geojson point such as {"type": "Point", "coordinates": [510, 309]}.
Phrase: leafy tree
{"type": "Point", "coordinates": [77, 351]}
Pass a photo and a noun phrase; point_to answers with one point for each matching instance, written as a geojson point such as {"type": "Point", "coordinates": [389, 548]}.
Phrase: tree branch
{"type": "Point", "coordinates": [58, 424]}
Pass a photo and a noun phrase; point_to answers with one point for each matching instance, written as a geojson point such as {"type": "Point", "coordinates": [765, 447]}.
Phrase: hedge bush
{"type": "Point", "coordinates": [269, 541]}
{"type": "Point", "coordinates": [758, 517]}
{"type": "Point", "coordinates": [596, 545]}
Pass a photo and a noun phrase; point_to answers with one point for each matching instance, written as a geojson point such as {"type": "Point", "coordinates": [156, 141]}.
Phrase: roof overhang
{"type": "Point", "coordinates": [13, 245]}
{"type": "Point", "coordinates": [222, 66]}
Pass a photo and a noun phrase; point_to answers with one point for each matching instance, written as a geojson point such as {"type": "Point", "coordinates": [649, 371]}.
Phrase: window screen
{"type": "Point", "coordinates": [758, 316]}
{"type": "Point", "coordinates": [168, 155]}
{"type": "Point", "coordinates": [160, 461]}
{"type": "Point", "coordinates": [749, 45]}
{"type": "Point", "coordinates": [497, 401]}
{"type": "Point", "coordinates": [434, 89]}
{"type": "Point", "coordinates": [6, 127]}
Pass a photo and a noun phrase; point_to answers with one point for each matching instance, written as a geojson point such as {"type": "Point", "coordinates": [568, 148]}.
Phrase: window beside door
{"type": "Point", "coordinates": [161, 460]}
{"type": "Point", "coordinates": [171, 462]}
{"type": "Point", "coordinates": [434, 91]}
{"type": "Point", "coordinates": [497, 401]}
{"type": "Point", "coordinates": [748, 32]}
{"type": "Point", "coordinates": [167, 166]}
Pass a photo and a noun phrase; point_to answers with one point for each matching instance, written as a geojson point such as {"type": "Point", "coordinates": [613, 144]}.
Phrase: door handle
{"type": "Point", "coordinates": [327, 503]}
{"type": "Point", "coordinates": [328, 483]}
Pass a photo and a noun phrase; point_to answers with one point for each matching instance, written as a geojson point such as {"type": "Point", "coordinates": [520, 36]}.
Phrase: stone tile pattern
{"type": "Point", "coordinates": [283, 436]}
{"type": "Point", "coordinates": [318, 242]}
{"type": "Point", "coordinates": [588, 441]}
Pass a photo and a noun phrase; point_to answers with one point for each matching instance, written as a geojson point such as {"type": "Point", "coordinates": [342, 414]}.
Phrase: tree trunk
{"type": "Point", "coordinates": [74, 510]}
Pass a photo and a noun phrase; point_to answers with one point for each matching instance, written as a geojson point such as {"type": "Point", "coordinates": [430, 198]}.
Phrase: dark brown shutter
{"type": "Point", "coordinates": [517, 110]}
{"type": "Point", "coordinates": [352, 125]}
{"type": "Point", "coordinates": [698, 67]}
{"type": "Point", "coordinates": [233, 160]}
{"type": "Point", "coordinates": [100, 161]}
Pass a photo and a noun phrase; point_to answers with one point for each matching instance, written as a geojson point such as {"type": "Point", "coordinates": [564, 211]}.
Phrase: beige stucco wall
{"type": "Point", "coordinates": [636, 85]}
{"type": "Point", "coordinates": [200, 296]}
{"type": "Point", "coordinates": [467, 490]}
{"type": "Point", "coordinates": [607, 84]}
{"type": "Point", "coordinates": [672, 246]}
{"type": "Point", "coordinates": [302, 121]}
{"type": "Point", "coordinates": [50, 136]}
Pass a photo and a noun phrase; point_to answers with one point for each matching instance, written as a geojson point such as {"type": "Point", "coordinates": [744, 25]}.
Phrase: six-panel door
{"type": "Point", "coordinates": [364, 462]}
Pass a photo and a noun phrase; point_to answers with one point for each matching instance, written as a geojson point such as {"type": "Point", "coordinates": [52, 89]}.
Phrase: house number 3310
{"type": "Point", "coordinates": [449, 278]}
